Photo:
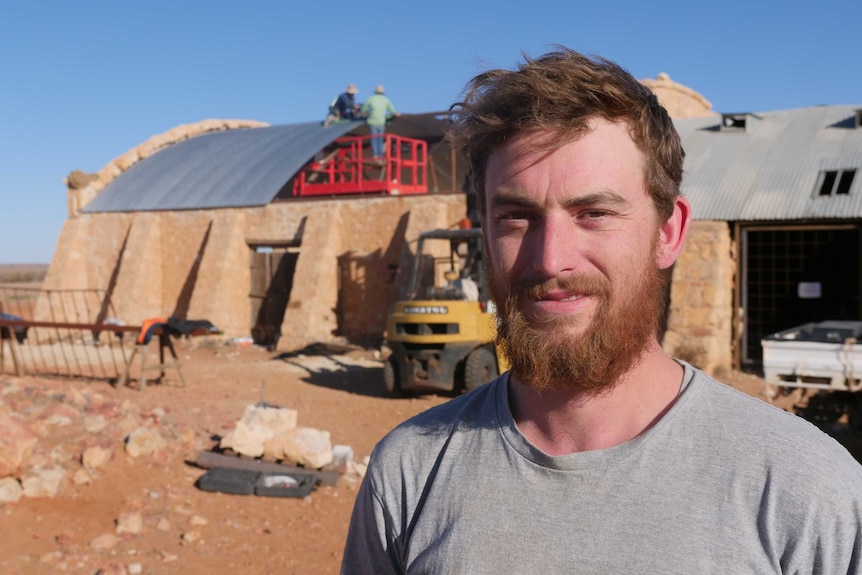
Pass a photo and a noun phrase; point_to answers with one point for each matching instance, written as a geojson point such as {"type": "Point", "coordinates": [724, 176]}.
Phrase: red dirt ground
{"type": "Point", "coordinates": [242, 534]}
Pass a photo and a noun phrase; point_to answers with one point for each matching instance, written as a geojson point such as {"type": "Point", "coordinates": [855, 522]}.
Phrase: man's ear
{"type": "Point", "coordinates": [671, 234]}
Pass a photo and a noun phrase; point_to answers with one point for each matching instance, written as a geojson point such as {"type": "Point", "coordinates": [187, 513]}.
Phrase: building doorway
{"type": "Point", "coordinates": [272, 270]}
{"type": "Point", "coordinates": [792, 275]}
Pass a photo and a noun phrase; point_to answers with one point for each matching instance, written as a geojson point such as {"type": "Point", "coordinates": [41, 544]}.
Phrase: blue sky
{"type": "Point", "coordinates": [83, 82]}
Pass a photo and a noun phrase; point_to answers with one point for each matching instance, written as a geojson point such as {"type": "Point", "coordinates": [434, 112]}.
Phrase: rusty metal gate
{"type": "Point", "coordinates": [71, 333]}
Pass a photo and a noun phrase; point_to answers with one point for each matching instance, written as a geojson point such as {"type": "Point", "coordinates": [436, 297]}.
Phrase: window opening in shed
{"type": "Point", "coordinates": [779, 268]}
{"type": "Point", "coordinates": [836, 182]}
{"type": "Point", "coordinates": [733, 122]}
{"type": "Point", "coordinates": [844, 182]}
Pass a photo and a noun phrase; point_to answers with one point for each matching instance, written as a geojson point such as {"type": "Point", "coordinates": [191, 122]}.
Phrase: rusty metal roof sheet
{"type": "Point", "coordinates": [218, 170]}
{"type": "Point", "coordinates": [770, 170]}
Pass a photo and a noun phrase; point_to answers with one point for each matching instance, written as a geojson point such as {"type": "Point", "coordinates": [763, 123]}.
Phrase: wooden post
{"type": "Point", "coordinates": [2, 346]}
{"type": "Point", "coordinates": [144, 353]}
{"type": "Point", "coordinates": [162, 365]}
{"type": "Point", "coordinates": [124, 378]}
{"type": "Point", "coordinates": [13, 347]}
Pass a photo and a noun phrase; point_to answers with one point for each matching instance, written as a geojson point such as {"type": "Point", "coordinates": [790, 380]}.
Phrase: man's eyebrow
{"type": "Point", "coordinates": [511, 198]}
{"type": "Point", "coordinates": [601, 198]}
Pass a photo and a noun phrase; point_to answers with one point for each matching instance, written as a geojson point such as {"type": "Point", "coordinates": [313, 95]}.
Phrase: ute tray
{"type": "Point", "coordinates": [830, 331]}
{"type": "Point", "coordinates": [825, 356]}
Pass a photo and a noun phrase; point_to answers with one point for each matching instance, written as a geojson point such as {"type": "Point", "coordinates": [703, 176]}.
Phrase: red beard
{"type": "Point", "coordinates": [627, 320]}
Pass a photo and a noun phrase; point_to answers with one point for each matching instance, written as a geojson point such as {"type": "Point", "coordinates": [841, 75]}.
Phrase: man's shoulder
{"type": "Point", "coordinates": [459, 410]}
{"type": "Point", "coordinates": [431, 428]}
{"type": "Point", "coordinates": [731, 404]}
{"type": "Point", "coordinates": [755, 428]}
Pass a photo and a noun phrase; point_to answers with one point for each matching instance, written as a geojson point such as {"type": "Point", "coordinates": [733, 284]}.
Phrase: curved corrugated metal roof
{"type": "Point", "coordinates": [770, 171]}
{"type": "Point", "coordinates": [226, 169]}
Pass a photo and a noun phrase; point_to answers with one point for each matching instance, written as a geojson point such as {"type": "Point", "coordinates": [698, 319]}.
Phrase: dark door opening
{"type": "Point", "coordinates": [795, 275]}
{"type": "Point", "coordinates": [272, 270]}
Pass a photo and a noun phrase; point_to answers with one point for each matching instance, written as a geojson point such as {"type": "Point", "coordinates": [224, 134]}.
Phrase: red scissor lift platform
{"type": "Point", "coordinates": [346, 167]}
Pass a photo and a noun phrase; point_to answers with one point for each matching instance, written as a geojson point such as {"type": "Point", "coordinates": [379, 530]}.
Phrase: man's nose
{"type": "Point", "coordinates": [554, 247]}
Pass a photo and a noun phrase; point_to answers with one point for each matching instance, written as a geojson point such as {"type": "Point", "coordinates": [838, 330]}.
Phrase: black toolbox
{"type": "Point", "coordinates": [284, 484]}
{"type": "Point", "coordinates": [248, 482]}
{"type": "Point", "coordinates": [226, 480]}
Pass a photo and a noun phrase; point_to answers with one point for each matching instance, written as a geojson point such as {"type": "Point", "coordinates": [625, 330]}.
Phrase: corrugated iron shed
{"type": "Point", "coordinates": [769, 170]}
{"type": "Point", "coordinates": [234, 168]}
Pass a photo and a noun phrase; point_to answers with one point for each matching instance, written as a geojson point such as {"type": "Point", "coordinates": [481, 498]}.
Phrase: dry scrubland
{"type": "Point", "coordinates": [22, 273]}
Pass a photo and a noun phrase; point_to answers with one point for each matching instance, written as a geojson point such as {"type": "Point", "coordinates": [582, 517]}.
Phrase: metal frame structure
{"type": "Point", "coordinates": [346, 168]}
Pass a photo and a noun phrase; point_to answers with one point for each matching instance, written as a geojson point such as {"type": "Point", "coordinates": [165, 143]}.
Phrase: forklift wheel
{"type": "Point", "coordinates": [480, 369]}
{"type": "Point", "coordinates": [390, 377]}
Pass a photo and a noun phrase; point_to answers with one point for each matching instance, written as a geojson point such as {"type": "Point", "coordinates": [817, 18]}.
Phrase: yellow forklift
{"type": "Point", "coordinates": [442, 336]}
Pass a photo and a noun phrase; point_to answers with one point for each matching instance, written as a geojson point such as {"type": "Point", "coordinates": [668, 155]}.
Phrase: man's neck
{"type": "Point", "coordinates": [562, 422]}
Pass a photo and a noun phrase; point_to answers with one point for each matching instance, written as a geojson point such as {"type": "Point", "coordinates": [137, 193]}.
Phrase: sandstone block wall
{"type": "Point", "coordinates": [700, 325]}
{"type": "Point", "coordinates": [355, 259]}
{"type": "Point", "coordinates": [354, 256]}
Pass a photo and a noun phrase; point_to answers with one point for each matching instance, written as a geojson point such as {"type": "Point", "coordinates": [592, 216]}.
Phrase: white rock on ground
{"type": "Point", "coordinates": [82, 477]}
{"type": "Point", "coordinates": [190, 536]}
{"type": "Point", "coordinates": [104, 542]}
{"type": "Point", "coordinates": [131, 523]}
{"type": "Point", "coordinates": [95, 457]}
{"type": "Point", "coordinates": [17, 441]}
{"type": "Point", "coordinates": [305, 446]}
{"type": "Point", "coordinates": [43, 482]}
{"type": "Point", "coordinates": [258, 424]}
{"type": "Point", "coordinates": [95, 423]}
{"type": "Point", "coordinates": [145, 440]}
{"type": "Point", "coordinates": [10, 490]}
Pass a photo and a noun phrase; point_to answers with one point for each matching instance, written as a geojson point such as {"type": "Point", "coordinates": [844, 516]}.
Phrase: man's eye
{"type": "Point", "coordinates": [595, 214]}
{"type": "Point", "coordinates": [514, 216]}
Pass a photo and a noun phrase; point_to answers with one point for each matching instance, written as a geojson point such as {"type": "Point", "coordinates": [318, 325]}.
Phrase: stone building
{"type": "Point", "coordinates": [200, 222]}
{"type": "Point", "coordinates": [777, 204]}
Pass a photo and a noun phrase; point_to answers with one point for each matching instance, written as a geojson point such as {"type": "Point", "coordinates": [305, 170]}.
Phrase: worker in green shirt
{"type": "Point", "coordinates": [377, 110]}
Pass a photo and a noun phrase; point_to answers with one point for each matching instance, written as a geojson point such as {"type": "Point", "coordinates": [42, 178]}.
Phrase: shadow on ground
{"type": "Point", "coordinates": [332, 366]}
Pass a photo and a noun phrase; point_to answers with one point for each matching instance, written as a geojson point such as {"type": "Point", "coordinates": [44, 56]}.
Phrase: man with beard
{"type": "Point", "coordinates": [597, 452]}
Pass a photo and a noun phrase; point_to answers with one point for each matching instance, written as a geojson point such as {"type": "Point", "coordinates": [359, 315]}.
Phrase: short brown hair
{"type": "Point", "coordinates": [559, 93]}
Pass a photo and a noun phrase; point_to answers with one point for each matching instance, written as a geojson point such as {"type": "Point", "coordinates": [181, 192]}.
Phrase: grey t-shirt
{"type": "Point", "coordinates": [722, 483]}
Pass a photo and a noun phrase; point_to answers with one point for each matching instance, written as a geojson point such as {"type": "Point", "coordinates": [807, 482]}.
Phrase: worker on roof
{"type": "Point", "coordinates": [377, 110]}
{"type": "Point", "coordinates": [344, 107]}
